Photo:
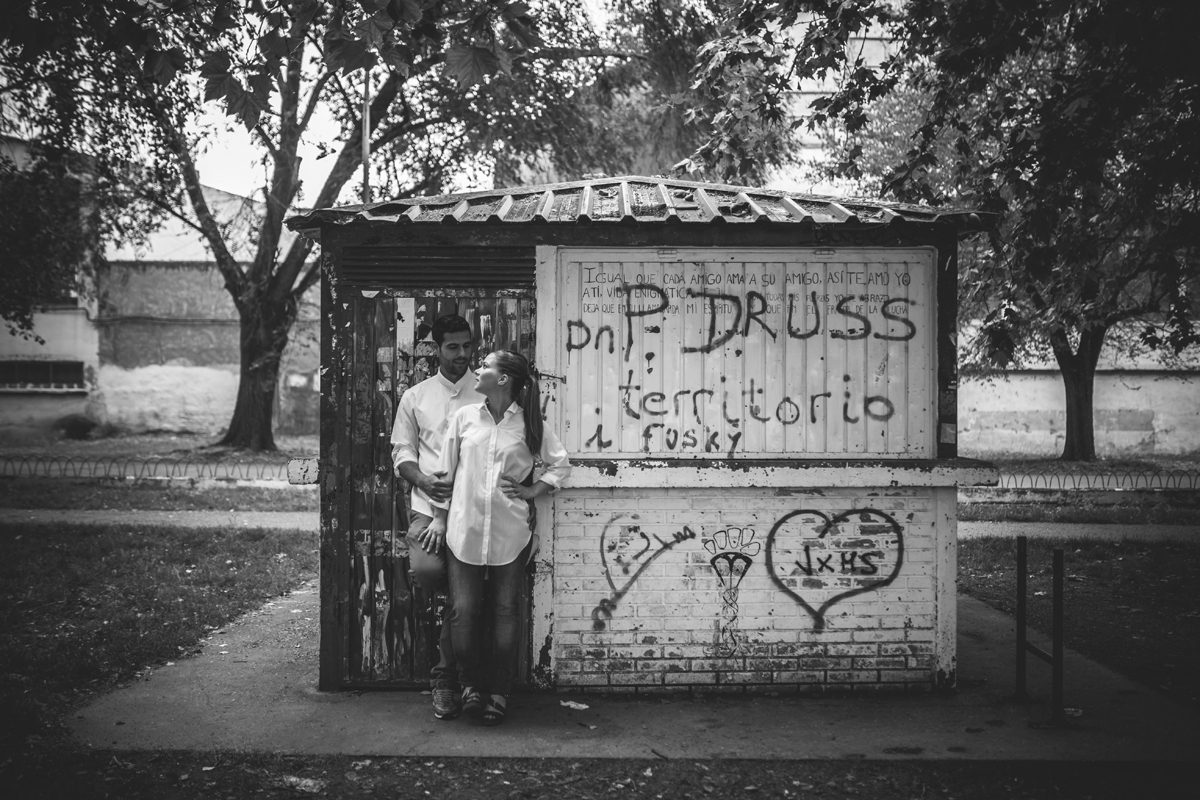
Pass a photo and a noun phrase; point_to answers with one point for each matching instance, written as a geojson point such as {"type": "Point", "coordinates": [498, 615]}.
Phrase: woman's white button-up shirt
{"type": "Point", "coordinates": [486, 526]}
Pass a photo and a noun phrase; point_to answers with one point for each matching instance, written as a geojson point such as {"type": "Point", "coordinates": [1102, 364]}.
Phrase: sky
{"type": "Point", "coordinates": [232, 163]}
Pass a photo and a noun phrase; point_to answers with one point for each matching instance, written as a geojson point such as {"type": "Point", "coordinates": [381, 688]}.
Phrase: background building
{"type": "Point", "coordinates": [155, 345]}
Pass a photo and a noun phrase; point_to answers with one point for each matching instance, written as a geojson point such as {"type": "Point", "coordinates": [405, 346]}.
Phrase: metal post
{"type": "Point", "coordinates": [1056, 692]}
{"type": "Point", "coordinates": [366, 136]}
{"type": "Point", "coordinates": [1021, 564]}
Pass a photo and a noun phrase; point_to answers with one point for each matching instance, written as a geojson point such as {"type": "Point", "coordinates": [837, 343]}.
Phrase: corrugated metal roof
{"type": "Point", "coordinates": [639, 200]}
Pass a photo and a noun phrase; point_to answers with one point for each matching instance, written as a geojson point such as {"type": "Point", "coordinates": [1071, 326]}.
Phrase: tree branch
{"type": "Point", "coordinates": [405, 128]}
{"type": "Point", "coordinates": [235, 280]}
{"type": "Point", "coordinates": [264, 139]}
{"type": "Point", "coordinates": [285, 176]}
{"type": "Point", "coordinates": [314, 98]}
{"type": "Point", "coordinates": [339, 173]}
{"type": "Point", "coordinates": [310, 277]}
{"type": "Point", "coordinates": [172, 209]}
{"type": "Point", "coordinates": [576, 53]}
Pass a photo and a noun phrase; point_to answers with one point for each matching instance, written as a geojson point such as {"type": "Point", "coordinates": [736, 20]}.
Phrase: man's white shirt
{"type": "Point", "coordinates": [421, 422]}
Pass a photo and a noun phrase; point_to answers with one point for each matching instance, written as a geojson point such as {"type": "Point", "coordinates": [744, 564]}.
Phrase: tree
{"type": "Point", "coordinates": [632, 117]}
{"type": "Point", "coordinates": [44, 229]}
{"type": "Point", "coordinates": [1074, 120]}
{"type": "Point", "coordinates": [124, 80]}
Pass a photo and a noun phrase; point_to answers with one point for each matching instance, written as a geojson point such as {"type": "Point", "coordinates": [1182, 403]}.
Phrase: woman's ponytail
{"type": "Point", "coordinates": [525, 392]}
{"type": "Point", "coordinates": [531, 406]}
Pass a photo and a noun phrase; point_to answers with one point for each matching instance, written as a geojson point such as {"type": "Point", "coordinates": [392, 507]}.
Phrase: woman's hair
{"type": "Point", "coordinates": [525, 392]}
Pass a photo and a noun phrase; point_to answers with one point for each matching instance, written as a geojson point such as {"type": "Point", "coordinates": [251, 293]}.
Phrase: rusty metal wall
{"type": "Point", "coordinates": [393, 625]}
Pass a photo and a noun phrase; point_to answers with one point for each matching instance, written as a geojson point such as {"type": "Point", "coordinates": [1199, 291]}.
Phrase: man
{"type": "Point", "coordinates": [417, 437]}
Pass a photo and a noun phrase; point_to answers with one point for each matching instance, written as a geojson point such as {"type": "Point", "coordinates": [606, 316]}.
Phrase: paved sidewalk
{"type": "Point", "coordinates": [310, 521]}
{"type": "Point", "coordinates": [253, 688]}
{"type": "Point", "coordinates": [291, 520]}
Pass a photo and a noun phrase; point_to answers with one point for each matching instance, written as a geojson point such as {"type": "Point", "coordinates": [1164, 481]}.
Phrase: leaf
{"type": "Point", "coordinates": [505, 60]}
{"type": "Point", "coordinates": [219, 82]}
{"type": "Point", "coordinates": [273, 45]}
{"type": "Point", "coordinates": [227, 16]}
{"type": "Point", "coordinates": [216, 62]}
{"type": "Point", "coordinates": [409, 10]}
{"type": "Point", "coordinates": [305, 11]}
{"type": "Point", "coordinates": [163, 66]}
{"type": "Point", "coordinates": [396, 60]}
{"type": "Point", "coordinates": [468, 64]}
{"type": "Point", "coordinates": [260, 88]}
{"type": "Point", "coordinates": [521, 24]}
{"type": "Point", "coordinates": [346, 53]}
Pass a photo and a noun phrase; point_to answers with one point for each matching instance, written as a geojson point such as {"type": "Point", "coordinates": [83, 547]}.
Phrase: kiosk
{"type": "Point", "coordinates": [758, 392]}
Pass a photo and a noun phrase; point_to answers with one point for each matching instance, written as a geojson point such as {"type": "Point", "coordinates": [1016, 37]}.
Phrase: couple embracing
{"type": "Point", "coordinates": [467, 443]}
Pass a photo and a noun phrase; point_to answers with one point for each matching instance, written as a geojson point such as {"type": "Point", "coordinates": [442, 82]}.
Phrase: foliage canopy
{"type": "Point", "coordinates": [1075, 120]}
{"type": "Point", "coordinates": [125, 82]}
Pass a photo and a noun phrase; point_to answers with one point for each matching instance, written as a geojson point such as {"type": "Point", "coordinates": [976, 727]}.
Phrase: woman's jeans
{"type": "Point", "coordinates": [483, 621]}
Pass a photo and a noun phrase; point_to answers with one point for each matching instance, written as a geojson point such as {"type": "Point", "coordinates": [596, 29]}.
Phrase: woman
{"type": "Point", "coordinates": [489, 454]}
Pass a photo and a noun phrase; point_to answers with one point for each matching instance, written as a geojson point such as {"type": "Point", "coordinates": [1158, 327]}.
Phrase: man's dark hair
{"type": "Point", "coordinates": [449, 323]}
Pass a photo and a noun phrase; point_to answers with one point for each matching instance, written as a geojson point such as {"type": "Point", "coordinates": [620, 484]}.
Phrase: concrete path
{"type": "Point", "coordinates": [291, 520]}
{"type": "Point", "coordinates": [310, 521]}
{"type": "Point", "coordinates": [253, 688]}
{"type": "Point", "coordinates": [1074, 530]}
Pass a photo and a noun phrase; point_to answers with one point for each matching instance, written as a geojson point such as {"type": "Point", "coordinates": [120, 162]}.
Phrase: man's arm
{"type": "Point", "coordinates": [433, 487]}
{"type": "Point", "coordinates": [406, 445]}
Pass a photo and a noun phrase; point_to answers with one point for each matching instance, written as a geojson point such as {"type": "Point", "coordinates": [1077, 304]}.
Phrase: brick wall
{"type": "Point", "coordinates": [670, 589]}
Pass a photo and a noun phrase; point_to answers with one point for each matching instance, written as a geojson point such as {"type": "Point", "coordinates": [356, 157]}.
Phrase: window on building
{"type": "Point", "coordinates": [41, 375]}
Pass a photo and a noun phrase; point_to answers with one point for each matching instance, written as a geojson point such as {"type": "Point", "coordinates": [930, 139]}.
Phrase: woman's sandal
{"type": "Point", "coordinates": [472, 701]}
{"type": "Point", "coordinates": [494, 710]}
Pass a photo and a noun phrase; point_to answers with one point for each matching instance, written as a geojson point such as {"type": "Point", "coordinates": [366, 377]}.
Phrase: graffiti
{"type": "Point", "coordinates": [733, 551]}
{"type": "Point", "coordinates": [629, 549]}
{"type": "Point", "coordinates": [718, 358]}
{"type": "Point", "coordinates": [820, 560]}
{"type": "Point", "coordinates": [731, 316]}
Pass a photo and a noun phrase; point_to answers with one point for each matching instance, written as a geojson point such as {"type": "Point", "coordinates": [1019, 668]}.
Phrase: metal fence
{"type": "Point", "coordinates": [140, 468]}
{"type": "Point", "coordinates": [1101, 479]}
{"type": "Point", "coordinates": [149, 467]}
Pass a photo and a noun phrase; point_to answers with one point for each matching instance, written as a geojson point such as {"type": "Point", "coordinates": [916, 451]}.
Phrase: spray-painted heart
{"type": "Point", "coordinates": [826, 559]}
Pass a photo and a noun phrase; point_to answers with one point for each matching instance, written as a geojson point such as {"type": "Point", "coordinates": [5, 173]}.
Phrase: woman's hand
{"type": "Point", "coordinates": [514, 489]}
{"type": "Point", "coordinates": [433, 538]}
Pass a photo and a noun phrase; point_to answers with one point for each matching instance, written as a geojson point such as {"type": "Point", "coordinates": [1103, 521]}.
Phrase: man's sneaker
{"type": "Point", "coordinates": [472, 701]}
{"type": "Point", "coordinates": [445, 704]}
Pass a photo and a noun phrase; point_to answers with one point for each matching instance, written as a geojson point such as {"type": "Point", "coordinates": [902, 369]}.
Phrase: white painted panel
{"type": "Point", "coordinates": [754, 353]}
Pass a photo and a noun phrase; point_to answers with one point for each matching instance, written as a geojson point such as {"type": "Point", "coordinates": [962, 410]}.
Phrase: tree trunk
{"type": "Point", "coordinates": [1080, 442]}
{"type": "Point", "coordinates": [264, 329]}
{"type": "Point", "coordinates": [1079, 380]}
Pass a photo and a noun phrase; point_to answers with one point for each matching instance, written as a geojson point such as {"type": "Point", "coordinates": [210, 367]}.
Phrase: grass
{"type": "Point", "coordinates": [151, 495]}
{"type": "Point", "coordinates": [1132, 606]}
{"type": "Point", "coordinates": [131, 776]}
{"type": "Point", "coordinates": [83, 609]}
{"type": "Point", "coordinates": [1079, 508]}
{"type": "Point", "coordinates": [156, 445]}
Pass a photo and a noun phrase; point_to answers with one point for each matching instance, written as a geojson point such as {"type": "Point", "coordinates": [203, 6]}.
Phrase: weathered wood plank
{"type": "Point", "coordinates": [362, 476]}
{"type": "Point", "coordinates": [335, 485]}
